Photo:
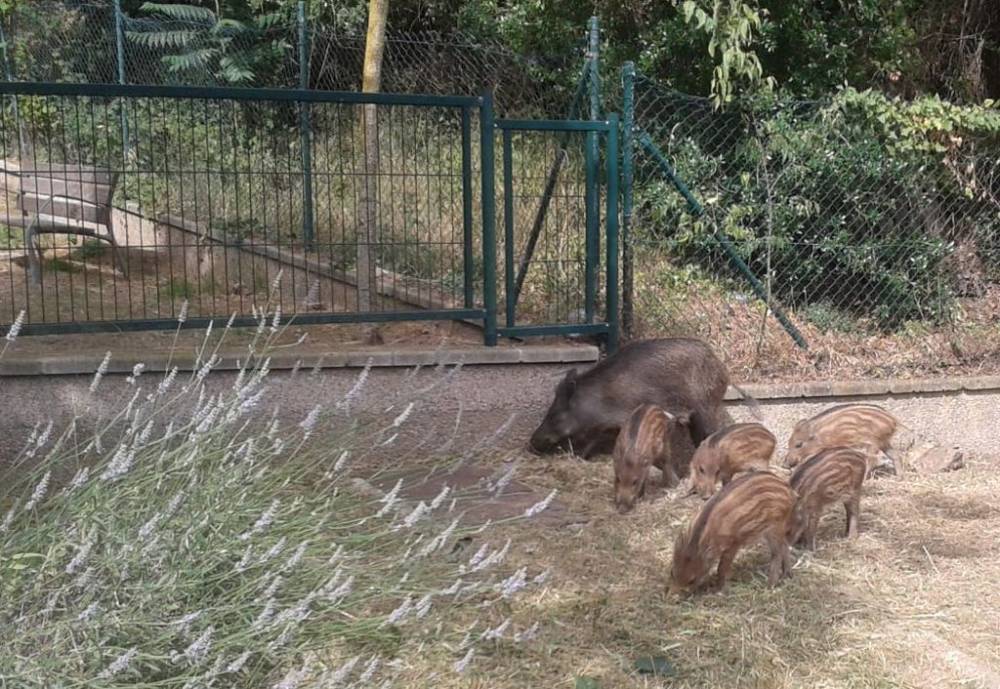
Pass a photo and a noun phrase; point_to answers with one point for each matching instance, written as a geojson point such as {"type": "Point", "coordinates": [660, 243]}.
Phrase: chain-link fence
{"type": "Point", "coordinates": [879, 258]}
{"type": "Point", "coordinates": [83, 42]}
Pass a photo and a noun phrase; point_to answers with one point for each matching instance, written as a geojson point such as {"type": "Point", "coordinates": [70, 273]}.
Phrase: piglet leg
{"type": "Point", "coordinates": [852, 507]}
{"type": "Point", "coordinates": [725, 569]}
{"type": "Point", "coordinates": [781, 561]}
{"type": "Point", "coordinates": [811, 529]}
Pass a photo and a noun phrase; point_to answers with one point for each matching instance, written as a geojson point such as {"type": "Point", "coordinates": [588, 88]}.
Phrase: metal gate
{"type": "Point", "coordinates": [323, 206]}
{"type": "Point", "coordinates": [559, 250]}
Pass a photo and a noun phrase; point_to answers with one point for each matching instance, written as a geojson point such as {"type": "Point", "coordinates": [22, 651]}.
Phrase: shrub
{"type": "Point", "coordinates": [827, 197]}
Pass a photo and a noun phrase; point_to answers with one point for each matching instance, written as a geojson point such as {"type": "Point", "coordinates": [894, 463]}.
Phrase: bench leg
{"type": "Point", "coordinates": [34, 249]}
{"type": "Point", "coordinates": [116, 251]}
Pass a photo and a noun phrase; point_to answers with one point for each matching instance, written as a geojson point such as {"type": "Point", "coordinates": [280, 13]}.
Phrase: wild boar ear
{"type": "Point", "coordinates": [568, 384]}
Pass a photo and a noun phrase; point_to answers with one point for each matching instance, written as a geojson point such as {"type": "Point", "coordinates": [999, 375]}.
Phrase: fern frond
{"type": "Point", "coordinates": [230, 27]}
{"type": "Point", "coordinates": [196, 59]}
{"type": "Point", "coordinates": [269, 21]}
{"type": "Point", "coordinates": [235, 70]}
{"type": "Point", "coordinates": [163, 39]}
{"type": "Point", "coordinates": [186, 13]}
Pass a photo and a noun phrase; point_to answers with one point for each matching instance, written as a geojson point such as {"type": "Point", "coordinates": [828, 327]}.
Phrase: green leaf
{"type": "Point", "coordinates": [186, 13]}
{"type": "Point", "coordinates": [163, 39]}
{"type": "Point", "coordinates": [688, 9]}
{"type": "Point", "coordinates": [587, 683]}
{"type": "Point", "coordinates": [197, 59]}
{"type": "Point", "coordinates": [654, 665]}
{"type": "Point", "coordinates": [230, 26]}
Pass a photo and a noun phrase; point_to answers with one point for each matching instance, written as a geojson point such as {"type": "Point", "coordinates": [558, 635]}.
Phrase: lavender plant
{"type": "Point", "coordinates": [196, 539]}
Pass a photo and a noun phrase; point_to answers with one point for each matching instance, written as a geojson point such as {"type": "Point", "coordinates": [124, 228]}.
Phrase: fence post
{"type": "Point", "coordinates": [628, 180]}
{"type": "Point", "coordinates": [592, 194]}
{"type": "Point", "coordinates": [489, 218]}
{"type": "Point", "coordinates": [508, 228]}
{"type": "Point", "coordinates": [612, 238]}
{"type": "Point", "coordinates": [593, 50]}
{"type": "Point", "coordinates": [305, 130]}
{"type": "Point", "coordinates": [122, 79]}
{"type": "Point", "coordinates": [468, 262]}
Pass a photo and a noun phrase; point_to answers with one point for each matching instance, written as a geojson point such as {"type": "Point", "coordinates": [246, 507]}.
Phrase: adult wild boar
{"type": "Point", "coordinates": [681, 375]}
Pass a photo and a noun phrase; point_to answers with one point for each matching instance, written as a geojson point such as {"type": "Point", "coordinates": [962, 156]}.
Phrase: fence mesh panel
{"type": "Point", "coordinates": [884, 259]}
{"type": "Point", "coordinates": [209, 211]}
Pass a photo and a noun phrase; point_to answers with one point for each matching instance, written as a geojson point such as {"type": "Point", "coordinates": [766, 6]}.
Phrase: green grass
{"type": "Point", "coordinates": [92, 248]}
{"type": "Point", "coordinates": [61, 265]}
{"type": "Point", "coordinates": [11, 237]}
{"type": "Point", "coordinates": [180, 289]}
{"type": "Point", "coordinates": [829, 318]}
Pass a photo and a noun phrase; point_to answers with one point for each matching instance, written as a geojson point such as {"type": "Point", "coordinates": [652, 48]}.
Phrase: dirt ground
{"type": "Point", "coordinates": [756, 351]}
{"type": "Point", "coordinates": [912, 603]}
{"type": "Point", "coordinates": [319, 337]}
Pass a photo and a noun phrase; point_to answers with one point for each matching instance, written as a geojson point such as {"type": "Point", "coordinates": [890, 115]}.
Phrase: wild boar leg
{"type": "Point", "coordinates": [852, 507]}
{"type": "Point", "coordinates": [701, 425]}
{"type": "Point", "coordinates": [662, 462]}
{"type": "Point", "coordinates": [670, 478]}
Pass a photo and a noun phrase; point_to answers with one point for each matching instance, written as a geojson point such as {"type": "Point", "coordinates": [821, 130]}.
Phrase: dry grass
{"type": "Point", "coordinates": [913, 603]}
{"type": "Point", "coordinates": [847, 349]}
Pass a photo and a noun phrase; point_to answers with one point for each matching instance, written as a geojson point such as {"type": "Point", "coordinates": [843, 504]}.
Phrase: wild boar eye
{"type": "Point", "coordinates": [798, 444]}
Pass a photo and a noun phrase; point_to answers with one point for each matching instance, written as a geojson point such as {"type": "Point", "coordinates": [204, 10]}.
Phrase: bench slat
{"type": "Point", "coordinates": [63, 208]}
{"type": "Point", "coordinates": [47, 224]}
{"type": "Point", "coordinates": [71, 172]}
{"type": "Point", "coordinates": [97, 194]}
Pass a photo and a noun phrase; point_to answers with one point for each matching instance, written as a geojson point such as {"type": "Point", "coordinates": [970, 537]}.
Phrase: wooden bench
{"type": "Point", "coordinates": [66, 198]}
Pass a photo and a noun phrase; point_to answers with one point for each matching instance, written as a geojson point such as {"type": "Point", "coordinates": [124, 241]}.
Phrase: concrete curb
{"type": "Point", "coordinates": [85, 363]}
{"type": "Point", "coordinates": [123, 361]}
{"type": "Point", "coordinates": [864, 388]}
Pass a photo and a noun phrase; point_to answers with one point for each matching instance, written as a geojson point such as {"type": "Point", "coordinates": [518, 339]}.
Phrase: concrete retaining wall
{"type": "Point", "coordinates": [488, 394]}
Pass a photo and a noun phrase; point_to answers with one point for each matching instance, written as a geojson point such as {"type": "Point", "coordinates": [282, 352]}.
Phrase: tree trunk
{"type": "Point", "coordinates": [368, 221]}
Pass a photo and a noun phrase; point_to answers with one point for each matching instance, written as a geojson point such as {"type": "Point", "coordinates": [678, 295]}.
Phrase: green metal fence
{"type": "Point", "coordinates": [211, 211]}
{"type": "Point", "coordinates": [798, 237]}
{"type": "Point", "coordinates": [557, 260]}
{"type": "Point", "coordinates": [210, 206]}
{"type": "Point", "coordinates": [372, 208]}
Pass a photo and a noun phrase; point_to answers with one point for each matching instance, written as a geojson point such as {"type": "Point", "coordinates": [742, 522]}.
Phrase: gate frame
{"type": "Point", "coordinates": [463, 105]}
{"type": "Point", "coordinates": [609, 128]}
